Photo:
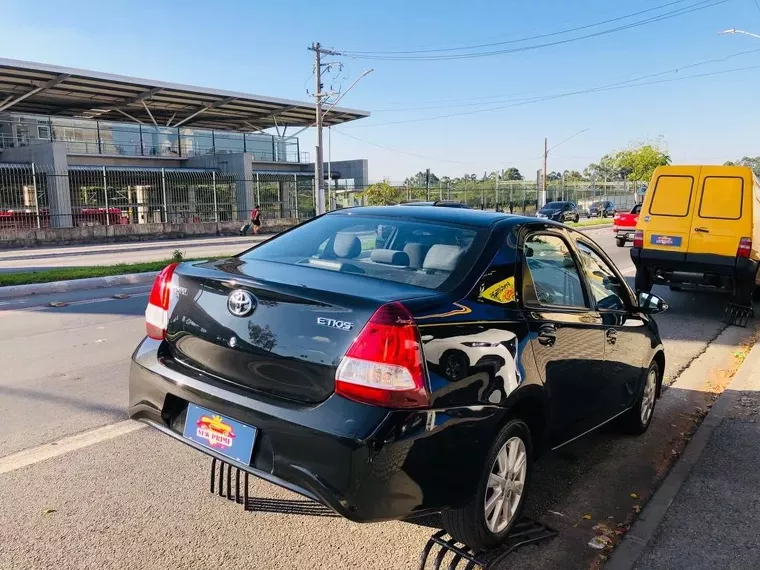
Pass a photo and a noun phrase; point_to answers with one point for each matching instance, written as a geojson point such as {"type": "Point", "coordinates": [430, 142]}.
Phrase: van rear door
{"type": "Point", "coordinates": [666, 219]}
{"type": "Point", "coordinates": [723, 214]}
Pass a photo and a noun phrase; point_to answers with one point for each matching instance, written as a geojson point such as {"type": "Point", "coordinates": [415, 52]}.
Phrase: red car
{"type": "Point", "coordinates": [624, 225]}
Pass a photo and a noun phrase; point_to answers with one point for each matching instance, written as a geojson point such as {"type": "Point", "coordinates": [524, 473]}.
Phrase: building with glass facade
{"type": "Point", "coordinates": [140, 137]}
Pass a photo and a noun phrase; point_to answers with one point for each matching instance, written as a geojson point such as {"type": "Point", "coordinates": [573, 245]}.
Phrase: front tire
{"type": "Point", "coordinates": [498, 501]}
{"type": "Point", "coordinates": [637, 420]}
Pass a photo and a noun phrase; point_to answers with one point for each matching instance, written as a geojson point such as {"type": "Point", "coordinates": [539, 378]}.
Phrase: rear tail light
{"type": "Point", "coordinates": [384, 365]}
{"type": "Point", "coordinates": [745, 247]}
{"type": "Point", "coordinates": [638, 238]}
{"type": "Point", "coordinates": [157, 313]}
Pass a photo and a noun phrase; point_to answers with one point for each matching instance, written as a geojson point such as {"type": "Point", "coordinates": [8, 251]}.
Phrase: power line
{"type": "Point", "coordinates": [701, 5]}
{"type": "Point", "coordinates": [399, 151]}
{"type": "Point", "coordinates": [757, 4]}
{"type": "Point", "coordinates": [458, 103]}
{"type": "Point", "coordinates": [612, 87]}
{"type": "Point", "coordinates": [526, 39]}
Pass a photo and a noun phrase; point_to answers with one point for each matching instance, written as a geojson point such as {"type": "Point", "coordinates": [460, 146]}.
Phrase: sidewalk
{"type": "Point", "coordinates": [706, 514]}
{"type": "Point", "coordinates": [133, 252]}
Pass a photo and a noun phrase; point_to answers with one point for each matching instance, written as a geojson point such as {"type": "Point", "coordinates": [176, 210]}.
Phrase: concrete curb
{"type": "Point", "coordinates": [637, 539]}
{"type": "Point", "coordinates": [14, 291]}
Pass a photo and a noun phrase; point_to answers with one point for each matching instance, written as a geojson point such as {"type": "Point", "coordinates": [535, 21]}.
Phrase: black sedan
{"type": "Point", "coordinates": [418, 376]}
{"type": "Point", "coordinates": [559, 212]}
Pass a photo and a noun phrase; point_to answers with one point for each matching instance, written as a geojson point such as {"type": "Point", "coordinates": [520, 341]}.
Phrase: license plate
{"type": "Point", "coordinates": [672, 241]}
{"type": "Point", "coordinates": [540, 216]}
{"type": "Point", "coordinates": [224, 435]}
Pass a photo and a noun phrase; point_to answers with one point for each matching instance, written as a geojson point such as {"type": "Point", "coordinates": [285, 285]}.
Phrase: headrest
{"type": "Point", "coordinates": [442, 257]}
{"type": "Point", "coordinates": [390, 257]}
{"type": "Point", "coordinates": [347, 246]}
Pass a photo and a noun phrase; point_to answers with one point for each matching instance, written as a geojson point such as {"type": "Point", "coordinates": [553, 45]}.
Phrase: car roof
{"type": "Point", "coordinates": [461, 216]}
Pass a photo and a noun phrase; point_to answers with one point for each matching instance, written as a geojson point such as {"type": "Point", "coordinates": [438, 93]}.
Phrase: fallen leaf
{"type": "Point", "coordinates": [600, 542]}
{"type": "Point", "coordinates": [556, 513]}
{"type": "Point", "coordinates": [636, 509]}
{"type": "Point", "coordinates": [634, 496]}
{"type": "Point", "coordinates": [587, 517]}
{"type": "Point", "coordinates": [121, 296]}
{"type": "Point", "coordinates": [49, 511]}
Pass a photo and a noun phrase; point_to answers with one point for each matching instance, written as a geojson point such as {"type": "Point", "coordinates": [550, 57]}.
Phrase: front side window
{"type": "Point", "coordinates": [550, 275]}
{"type": "Point", "coordinates": [606, 288]}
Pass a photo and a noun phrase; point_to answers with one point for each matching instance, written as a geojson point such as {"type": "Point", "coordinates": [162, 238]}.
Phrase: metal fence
{"type": "Point", "coordinates": [31, 197]}
{"type": "Point", "coordinates": [516, 197]}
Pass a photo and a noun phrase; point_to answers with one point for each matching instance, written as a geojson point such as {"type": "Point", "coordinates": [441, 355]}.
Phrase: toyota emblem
{"type": "Point", "coordinates": [241, 303]}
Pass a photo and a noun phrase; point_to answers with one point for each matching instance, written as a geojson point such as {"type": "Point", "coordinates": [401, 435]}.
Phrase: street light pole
{"type": "Point", "coordinates": [546, 157]}
{"type": "Point", "coordinates": [734, 31]}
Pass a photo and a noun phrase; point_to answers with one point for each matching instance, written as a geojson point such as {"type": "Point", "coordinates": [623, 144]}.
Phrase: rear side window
{"type": "Point", "coordinates": [722, 198]}
{"type": "Point", "coordinates": [419, 253]}
{"type": "Point", "coordinates": [671, 196]}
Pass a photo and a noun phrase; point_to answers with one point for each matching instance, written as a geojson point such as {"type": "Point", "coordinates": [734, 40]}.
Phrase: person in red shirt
{"type": "Point", "coordinates": [256, 219]}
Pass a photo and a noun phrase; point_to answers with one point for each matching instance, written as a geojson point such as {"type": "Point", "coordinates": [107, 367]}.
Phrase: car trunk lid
{"type": "Point", "coordinates": [292, 336]}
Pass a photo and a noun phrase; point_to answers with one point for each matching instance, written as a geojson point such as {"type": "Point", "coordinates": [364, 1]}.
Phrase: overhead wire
{"type": "Point", "coordinates": [611, 87]}
{"type": "Point", "coordinates": [397, 150]}
{"type": "Point", "coordinates": [701, 5]}
{"type": "Point", "coordinates": [456, 103]}
{"type": "Point", "coordinates": [517, 40]}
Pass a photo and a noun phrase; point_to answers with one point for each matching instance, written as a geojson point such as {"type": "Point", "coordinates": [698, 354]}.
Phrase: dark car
{"type": "Point", "coordinates": [604, 209]}
{"type": "Point", "coordinates": [416, 378]}
{"type": "Point", "coordinates": [559, 212]}
{"type": "Point", "coordinates": [443, 203]}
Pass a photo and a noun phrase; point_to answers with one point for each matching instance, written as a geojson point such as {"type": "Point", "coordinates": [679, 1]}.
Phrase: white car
{"type": "Point", "coordinates": [456, 355]}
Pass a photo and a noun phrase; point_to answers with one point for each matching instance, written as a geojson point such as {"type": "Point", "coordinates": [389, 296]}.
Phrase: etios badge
{"type": "Point", "coordinates": [241, 303]}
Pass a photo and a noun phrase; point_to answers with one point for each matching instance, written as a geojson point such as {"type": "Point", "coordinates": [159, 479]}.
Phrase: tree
{"type": "Point", "coordinates": [638, 164]}
{"type": "Point", "coordinates": [554, 176]}
{"type": "Point", "coordinates": [382, 194]}
{"type": "Point", "coordinates": [752, 161]}
{"type": "Point", "coordinates": [511, 173]}
{"type": "Point", "coordinates": [419, 179]}
{"type": "Point", "coordinates": [572, 176]}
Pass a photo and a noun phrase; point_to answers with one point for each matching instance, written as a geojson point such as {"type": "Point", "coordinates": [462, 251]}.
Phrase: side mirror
{"type": "Point", "coordinates": [651, 304]}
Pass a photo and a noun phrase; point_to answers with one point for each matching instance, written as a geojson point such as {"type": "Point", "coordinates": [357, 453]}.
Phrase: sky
{"type": "Point", "coordinates": [454, 116]}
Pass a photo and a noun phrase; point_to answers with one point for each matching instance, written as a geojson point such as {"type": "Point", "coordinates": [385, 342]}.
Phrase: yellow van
{"type": "Point", "coordinates": [699, 226]}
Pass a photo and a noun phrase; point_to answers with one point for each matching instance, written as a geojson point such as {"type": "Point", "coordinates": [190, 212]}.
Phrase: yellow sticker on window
{"type": "Point", "coordinates": [502, 292]}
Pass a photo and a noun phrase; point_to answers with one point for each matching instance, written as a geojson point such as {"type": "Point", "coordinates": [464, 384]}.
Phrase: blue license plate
{"type": "Point", "coordinates": [672, 241]}
{"type": "Point", "coordinates": [214, 431]}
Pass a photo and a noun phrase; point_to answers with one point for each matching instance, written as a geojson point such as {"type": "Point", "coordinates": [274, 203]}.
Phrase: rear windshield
{"type": "Point", "coordinates": [555, 205]}
{"type": "Point", "coordinates": [672, 196]}
{"type": "Point", "coordinates": [423, 254]}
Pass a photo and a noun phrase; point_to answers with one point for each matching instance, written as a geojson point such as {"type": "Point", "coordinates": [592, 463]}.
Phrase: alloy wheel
{"type": "Point", "coordinates": [506, 483]}
{"type": "Point", "coordinates": [647, 400]}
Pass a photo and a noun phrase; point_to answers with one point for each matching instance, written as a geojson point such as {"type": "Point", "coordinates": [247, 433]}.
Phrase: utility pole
{"type": "Point", "coordinates": [542, 201]}
{"type": "Point", "coordinates": [427, 185]}
{"type": "Point", "coordinates": [319, 177]}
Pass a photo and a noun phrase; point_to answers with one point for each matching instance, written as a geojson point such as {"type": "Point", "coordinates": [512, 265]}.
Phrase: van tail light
{"type": "Point", "coordinates": [157, 312]}
{"type": "Point", "coordinates": [384, 365]}
{"type": "Point", "coordinates": [638, 238]}
{"type": "Point", "coordinates": [745, 247]}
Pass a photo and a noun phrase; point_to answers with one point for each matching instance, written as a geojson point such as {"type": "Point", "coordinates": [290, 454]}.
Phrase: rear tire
{"type": "Point", "coordinates": [638, 419]}
{"type": "Point", "coordinates": [577, 218]}
{"type": "Point", "coordinates": [506, 473]}
{"type": "Point", "coordinates": [620, 242]}
{"type": "Point", "coordinates": [643, 280]}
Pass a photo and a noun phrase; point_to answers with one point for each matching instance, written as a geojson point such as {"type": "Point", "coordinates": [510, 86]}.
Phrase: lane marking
{"type": "Point", "coordinates": [66, 445]}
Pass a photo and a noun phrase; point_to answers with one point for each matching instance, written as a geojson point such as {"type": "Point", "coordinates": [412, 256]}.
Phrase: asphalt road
{"type": "Point", "coordinates": [120, 498]}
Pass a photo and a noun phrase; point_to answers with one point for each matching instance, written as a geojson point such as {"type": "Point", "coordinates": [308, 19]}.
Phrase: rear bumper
{"type": "Point", "coordinates": [665, 265]}
{"type": "Point", "coordinates": [367, 464]}
{"type": "Point", "coordinates": [624, 232]}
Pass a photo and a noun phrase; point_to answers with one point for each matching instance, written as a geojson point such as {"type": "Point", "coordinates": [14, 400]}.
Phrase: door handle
{"type": "Point", "coordinates": [611, 336]}
{"type": "Point", "coordinates": [547, 335]}
{"type": "Point", "coordinates": [702, 230]}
